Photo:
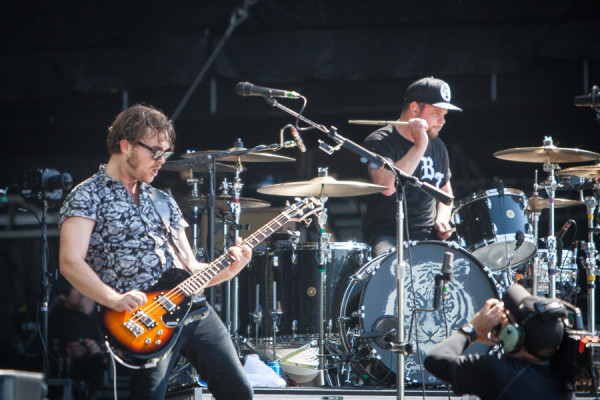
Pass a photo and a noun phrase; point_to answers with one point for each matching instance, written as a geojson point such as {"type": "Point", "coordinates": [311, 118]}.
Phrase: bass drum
{"type": "Point", "coordinates": [369, 305]}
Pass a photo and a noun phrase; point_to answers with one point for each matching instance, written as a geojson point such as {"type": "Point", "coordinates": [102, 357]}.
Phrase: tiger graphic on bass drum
{"type": "Point", "coordinates": [372, 293]}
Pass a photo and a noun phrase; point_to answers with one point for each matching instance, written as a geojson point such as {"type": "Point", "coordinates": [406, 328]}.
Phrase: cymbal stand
{"type": "Point", "coordinates": [535, 219]}
{"type": "Point", "coordinates": [195, 194]}
{"type": "Point", "coordinates": [590, 261]}
{"type": "Point", "coordinates": [275, 315]}
{"type": "Point", "coordinates": [236, 210]}
{"type": "Point", "coordinates": [323, 256]}
{"type": "Point", "coordinates": [550, 188]}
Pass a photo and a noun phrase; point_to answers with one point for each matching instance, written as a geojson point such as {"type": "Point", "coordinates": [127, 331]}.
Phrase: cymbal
{"type": "Point", "coordinates": [222, 200]}
{"type": "Point", "coordinates": [376, 122]}
{"type": "Point", "coordinates": [585, 171]}
{"type": "Point", "coordinates": [323, 186]}
{"type": "Point", "coordinates": [196, 167]}
{"type": "Point", "coordinates": [248, 157]}
{"type": "Point", "coordinates": [537, 203]}
{"type": "Point", "coordinates": [543, 154]}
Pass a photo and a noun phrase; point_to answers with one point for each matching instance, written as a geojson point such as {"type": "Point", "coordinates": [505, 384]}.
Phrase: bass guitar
{"type": "Point", "coordinates": [141, 338]}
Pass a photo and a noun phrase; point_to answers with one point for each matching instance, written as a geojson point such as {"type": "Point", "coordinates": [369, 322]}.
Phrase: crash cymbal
{"type": "Point", "coordinates": [585, 171]}
{"type": "Point", "coordinates": [376, 122]}
{"type": "Point", "coordinates": [196, 167]}
{"type": "Point", "coordinates": [248, 157]}
{"type": "Point", "coordinates": [222, 200]}
{"type": "Point", "coordinates": [537, 203]}
{"type": "Point", "coordinates": [544, 154]}
{"type": "Point", "coordinates": [323, 186]}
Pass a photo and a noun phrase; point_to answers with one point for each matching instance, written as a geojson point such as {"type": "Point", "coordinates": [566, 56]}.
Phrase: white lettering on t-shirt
{"type": "Point", "coordinates": [428, 173]}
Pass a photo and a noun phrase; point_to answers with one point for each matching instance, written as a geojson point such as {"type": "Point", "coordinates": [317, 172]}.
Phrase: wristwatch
{"type": "Point", "coordinates": [469, 330]}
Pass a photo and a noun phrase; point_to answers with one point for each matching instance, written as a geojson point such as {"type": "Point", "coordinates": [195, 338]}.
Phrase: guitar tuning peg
{"type": "Point", "coordinates": [287, 203]}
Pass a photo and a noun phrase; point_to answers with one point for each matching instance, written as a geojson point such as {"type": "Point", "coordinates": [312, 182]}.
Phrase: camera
{"type": "Point", "coordinates": [577, 360]}
{"type": "Point", "coordinates": [46, 183]}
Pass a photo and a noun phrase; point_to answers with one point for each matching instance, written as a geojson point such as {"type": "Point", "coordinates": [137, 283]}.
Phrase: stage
{"type": "Point", "coordinates": [197, 393]}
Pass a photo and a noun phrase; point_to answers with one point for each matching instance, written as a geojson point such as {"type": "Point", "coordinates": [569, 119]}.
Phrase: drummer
{"type": "Point", "coordinates": [415, 149]}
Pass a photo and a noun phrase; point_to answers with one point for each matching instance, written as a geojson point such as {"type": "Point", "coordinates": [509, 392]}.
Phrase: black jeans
{"type": "Point", "coordinates": [207, 345]}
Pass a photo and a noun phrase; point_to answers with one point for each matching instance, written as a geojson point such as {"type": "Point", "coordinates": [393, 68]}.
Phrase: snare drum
{"type": "Point", "coordinates": [494, 227]}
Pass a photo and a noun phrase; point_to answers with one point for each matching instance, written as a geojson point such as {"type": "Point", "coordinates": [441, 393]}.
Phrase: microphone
{"type": "Point", "coordinates": [248, 89]}
{"type": "Point", "coordinates": [588, 100]}
{"type": "Point", "coordinates": [442, 279]}
{"type": "Point", "coordinates": [563, 230]}
{"type": "Point", "coordinates": [298, 140]}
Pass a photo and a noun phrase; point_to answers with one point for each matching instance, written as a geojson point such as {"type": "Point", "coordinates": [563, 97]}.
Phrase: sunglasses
{"type": "Point", "coordinates": [156, 154]}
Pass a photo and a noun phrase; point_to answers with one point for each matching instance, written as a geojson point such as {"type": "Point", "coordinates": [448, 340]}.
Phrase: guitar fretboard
{"type": "Point", "coordinates": [198, 281]}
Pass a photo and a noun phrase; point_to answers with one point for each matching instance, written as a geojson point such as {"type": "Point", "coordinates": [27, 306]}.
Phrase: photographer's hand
{"type": "Point", "coordinates": [491, 314]}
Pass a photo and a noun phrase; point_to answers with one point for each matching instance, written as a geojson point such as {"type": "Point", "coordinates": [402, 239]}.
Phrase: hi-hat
{"type": "Point", "coordinates": [323, 186]}
{"type": "Point", "coordinates": [550, 153]}
{"type": "Point", "coordinates": [222, 200]}
{"type": "Point", "coordinates": [537, 203]}
{"type": "Point", "coordinates": [247, 157]}
{"type": "Point", "coordinates": [585, 171]}
{"type": "Point", "coordinates": [196, 167]}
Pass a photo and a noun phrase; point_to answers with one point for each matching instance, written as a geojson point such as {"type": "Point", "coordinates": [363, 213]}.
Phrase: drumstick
{"type": "Point", "coordinates": [367, 122]}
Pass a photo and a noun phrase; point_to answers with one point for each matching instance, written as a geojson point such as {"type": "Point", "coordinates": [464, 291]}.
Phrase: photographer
{"type": "Point", "coordinates": [530, 330]}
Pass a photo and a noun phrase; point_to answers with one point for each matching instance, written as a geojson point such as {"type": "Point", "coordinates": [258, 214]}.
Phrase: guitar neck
{"type": "Point", "coordinates": [200, 279]}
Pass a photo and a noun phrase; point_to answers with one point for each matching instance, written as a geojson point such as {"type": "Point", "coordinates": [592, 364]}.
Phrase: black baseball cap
{"type": "Point", "coordinates": [431, 91]}
{"type": "Point", "coordinates": [540, 317]}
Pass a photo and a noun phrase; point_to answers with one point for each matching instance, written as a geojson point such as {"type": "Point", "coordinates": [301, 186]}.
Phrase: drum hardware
{"type": "Point", "coordinates": [590, 260]}
{"type": "Point", "coordinates": [549, 155]}
{"type": "Point", "coordinates": [275, 316]}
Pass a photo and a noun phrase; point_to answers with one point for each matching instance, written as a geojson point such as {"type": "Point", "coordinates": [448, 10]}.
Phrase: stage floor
{"type": "Point", "coordinates": [329, 394]}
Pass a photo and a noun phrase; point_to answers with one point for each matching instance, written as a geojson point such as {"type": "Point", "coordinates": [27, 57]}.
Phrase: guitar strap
{"type": "Point", "coordinates": [162, 208]}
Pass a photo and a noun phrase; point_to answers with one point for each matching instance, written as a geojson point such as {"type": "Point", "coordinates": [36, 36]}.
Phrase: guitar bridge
{"type": "Point", "coordinates": [145, 319]}
{"type": "Point", "coordinates": [134, 328]}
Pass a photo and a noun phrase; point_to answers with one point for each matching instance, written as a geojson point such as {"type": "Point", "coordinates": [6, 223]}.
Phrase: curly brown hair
{"type": "Point", "coordinates": [132, 125]}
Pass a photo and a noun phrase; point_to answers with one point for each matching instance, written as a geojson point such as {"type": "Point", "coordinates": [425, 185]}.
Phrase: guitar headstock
{"type": "Point", "coordinates": [304, 208]}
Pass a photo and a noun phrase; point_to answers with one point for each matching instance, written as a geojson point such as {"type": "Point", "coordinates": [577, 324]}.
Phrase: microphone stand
{"type": "Point", "coordinates": [399, 346]}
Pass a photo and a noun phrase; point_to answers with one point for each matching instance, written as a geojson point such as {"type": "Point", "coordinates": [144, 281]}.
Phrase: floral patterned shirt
{"type": "Point", "coordinates": [129, 247]}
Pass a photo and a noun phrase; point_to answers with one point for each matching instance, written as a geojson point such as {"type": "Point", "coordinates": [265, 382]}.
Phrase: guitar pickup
{"type": "Point", "coordinates": [165, 302]}
{"type": "Point", "coordinates": [144, 319]}
{"type": "Point", "coordinates": [134, 328]}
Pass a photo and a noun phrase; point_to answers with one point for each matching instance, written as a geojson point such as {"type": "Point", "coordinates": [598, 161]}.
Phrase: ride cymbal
{"type": "Point", "coordinates": [323, 186]}
{"type": "Point", "coordinates": [544, 154]}
{"type": "Point", "coordinates": [248, 157]}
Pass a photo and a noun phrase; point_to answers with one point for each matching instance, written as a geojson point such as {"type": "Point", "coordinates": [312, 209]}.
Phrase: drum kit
{"type": "Point", "coordinates": [335, 304]}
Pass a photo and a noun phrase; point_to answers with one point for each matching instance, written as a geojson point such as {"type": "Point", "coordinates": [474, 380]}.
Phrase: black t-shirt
{"type": "Point", "coordinates": [492, 377]}
{"type": "Point", "coordinates": [434, 168]}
